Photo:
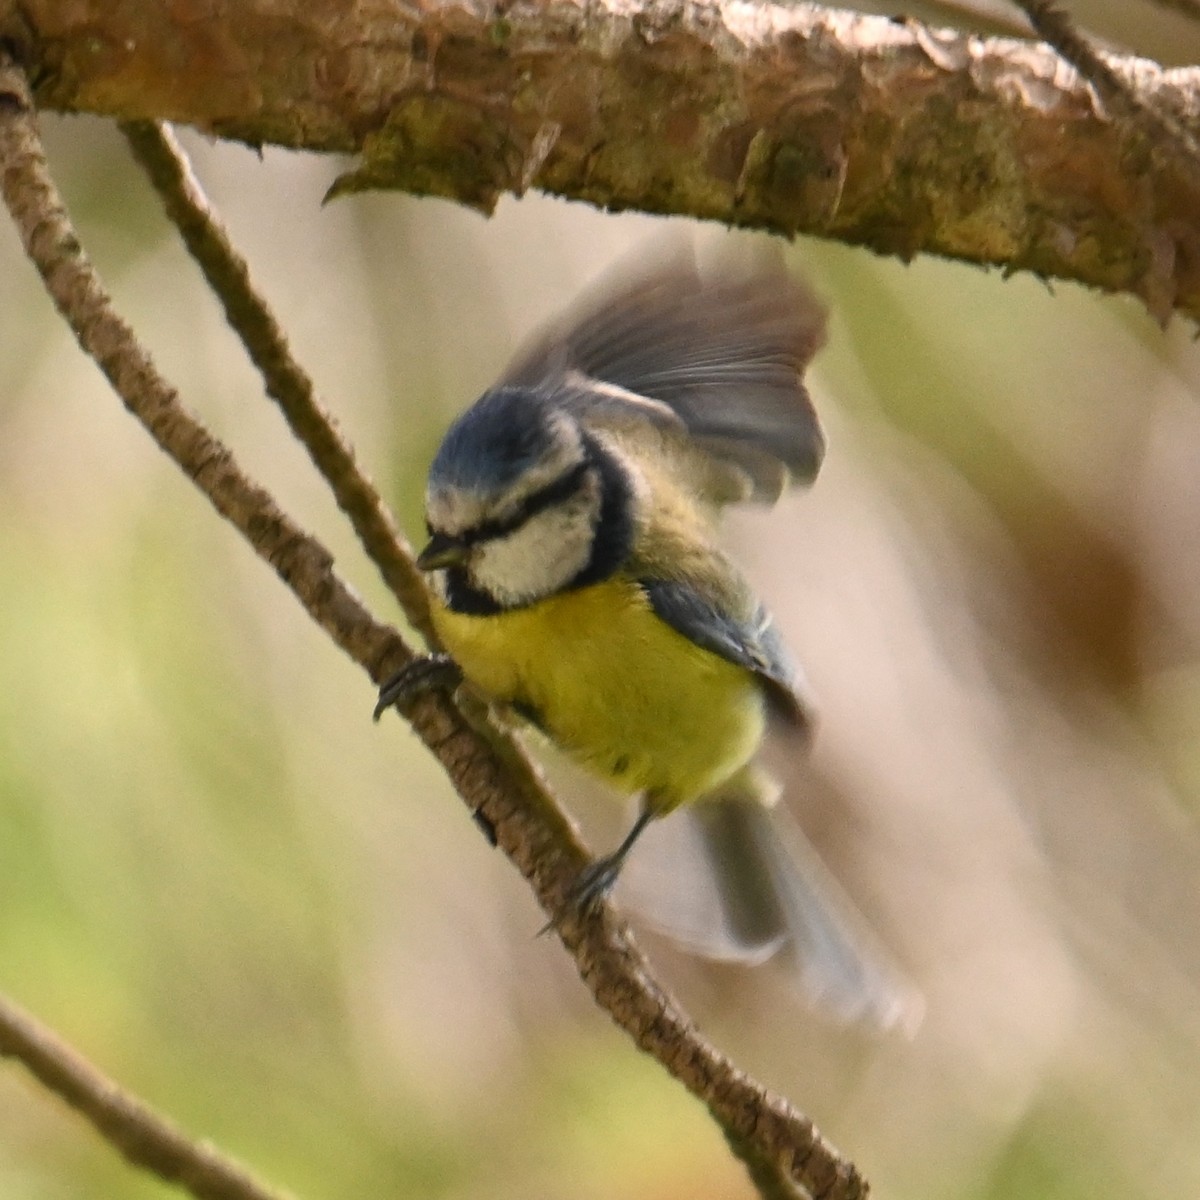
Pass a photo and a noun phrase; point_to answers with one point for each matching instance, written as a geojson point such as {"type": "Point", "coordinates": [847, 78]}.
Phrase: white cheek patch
{"type": "Point", "coordinates": [541, 556]}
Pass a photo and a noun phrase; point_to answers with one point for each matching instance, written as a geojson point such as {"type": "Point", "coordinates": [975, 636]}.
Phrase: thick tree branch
{"type": "Point", "coordinates": [140, 1134]}
{"type": "Point", "coordinates": [781, 1146]}
{"type": "Point", "coordinates": [790, 118]}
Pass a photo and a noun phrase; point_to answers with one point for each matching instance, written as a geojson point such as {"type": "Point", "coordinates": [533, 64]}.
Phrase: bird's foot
{"type": "Point", "coordinates": [431, 673]}
{"type": "Point", "coordinates": [588, 891]}
{"type": "Point", "coordinates": [593, 884]}
{"type": "Point", "coordinates": [591, 887]}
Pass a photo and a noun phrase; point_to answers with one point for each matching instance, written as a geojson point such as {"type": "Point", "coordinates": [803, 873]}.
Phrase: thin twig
{"type": "Point", "coordinates": [495, 779]}
{"type": "Point", "coordinates": [1189, 8]}
{"type": "Point", "coordinates": [53, 246]}
{"type": "Point", "coordinates": [251, 318]}
{"type": "Point", "coordinates": [982, 16]}
{"type": "Point", "coordinates": [140, 1134]}
{"type": "Point", "coordinates": [1054, 25]}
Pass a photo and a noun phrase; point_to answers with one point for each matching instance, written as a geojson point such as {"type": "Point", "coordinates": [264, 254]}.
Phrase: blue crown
{"type": "Point", "coordinates": [507, 431]}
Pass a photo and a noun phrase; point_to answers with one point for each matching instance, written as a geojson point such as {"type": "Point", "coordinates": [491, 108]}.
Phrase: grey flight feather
{"type": "Point", "coordinates": [723, 354]}
{"type": "Point", "coordinates": [773, 884]}
{"type": "Point", "coordinates": [754, 644]}
{"type": "Point", "coordinates": [738, 881]}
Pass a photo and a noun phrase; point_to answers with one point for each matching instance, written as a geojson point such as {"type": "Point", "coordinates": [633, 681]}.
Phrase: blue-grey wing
{"type": "Point", "coordinates": [752, 643]}
{"type": "Point", "coordinates": [722, 354]}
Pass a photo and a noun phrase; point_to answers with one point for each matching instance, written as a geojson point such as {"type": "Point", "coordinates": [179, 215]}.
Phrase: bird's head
{"type": "Point", "coordinates": [514, 501]}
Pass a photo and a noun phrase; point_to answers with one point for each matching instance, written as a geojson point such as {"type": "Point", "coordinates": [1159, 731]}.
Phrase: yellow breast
{"type": "Point", "coordinates": [617, 688]}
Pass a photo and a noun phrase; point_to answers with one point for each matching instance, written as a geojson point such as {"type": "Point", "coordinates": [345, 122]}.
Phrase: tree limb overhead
{"type": "Point", "coordinates": [795, 119]}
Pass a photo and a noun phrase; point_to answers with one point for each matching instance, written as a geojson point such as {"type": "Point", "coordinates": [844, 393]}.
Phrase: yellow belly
{"type": "Point", "coordinates": [616, 688]}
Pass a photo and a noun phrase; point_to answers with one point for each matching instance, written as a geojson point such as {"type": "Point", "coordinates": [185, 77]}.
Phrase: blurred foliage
{"type": "Point", "coordinates": [274, 921]}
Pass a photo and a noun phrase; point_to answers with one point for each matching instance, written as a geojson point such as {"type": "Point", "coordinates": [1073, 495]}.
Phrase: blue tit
{"type": "Point", "coordinates": [579, 578]}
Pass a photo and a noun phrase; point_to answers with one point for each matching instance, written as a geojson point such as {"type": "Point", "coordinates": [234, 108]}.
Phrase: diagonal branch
{"type": "Point", "coordinates": [791, 117]}
{"type": "Point", "coordinates": [1189, 8]}
{"type": "Point", "coordinates": [140, 1134]}
{"type": "Point", "coordinates": [287, 382]}
{"type": "Point", "coordinates": [779, 1144]}
{"type": "Point", "coordinates": [1053, 24]}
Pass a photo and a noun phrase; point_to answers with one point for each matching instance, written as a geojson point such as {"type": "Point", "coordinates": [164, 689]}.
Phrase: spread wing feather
{"type": "Point", "coordinates": [717, 357]}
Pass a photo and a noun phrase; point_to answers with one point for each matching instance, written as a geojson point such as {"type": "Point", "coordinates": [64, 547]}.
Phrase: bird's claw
{"type": "Point", "coordinates": [594, 883]}
{"type": "Point", "coordinates": [588, 891]}
{"type": "Point", "coordinates": [432, 673]}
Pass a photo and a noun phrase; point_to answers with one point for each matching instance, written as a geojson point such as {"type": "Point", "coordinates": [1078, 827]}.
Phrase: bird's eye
{"type": "Point", "coordinates": [555, 492]}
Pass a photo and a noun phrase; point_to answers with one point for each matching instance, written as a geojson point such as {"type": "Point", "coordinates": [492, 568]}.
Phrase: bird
{"type": "Point", "coordinates": [579, 581]}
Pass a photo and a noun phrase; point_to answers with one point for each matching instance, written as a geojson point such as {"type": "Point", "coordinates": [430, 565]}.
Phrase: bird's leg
{"type": "Point", "coordinates": [596, 880]}
{"type": "Point", "coordinates": [430, 673]}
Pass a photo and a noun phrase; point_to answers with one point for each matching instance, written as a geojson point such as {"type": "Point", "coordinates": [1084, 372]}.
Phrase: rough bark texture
{"type": "Point", "coordinates": [796, 119]}
{"type": "Point", "coordinates": [780, 1145]}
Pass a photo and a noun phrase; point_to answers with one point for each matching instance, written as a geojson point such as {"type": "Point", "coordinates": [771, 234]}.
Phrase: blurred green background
{"type": "Point", "coordinates": [275, 921]}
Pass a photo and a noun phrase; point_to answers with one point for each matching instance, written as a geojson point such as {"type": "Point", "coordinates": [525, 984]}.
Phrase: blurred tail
{"type": "Point", "coordinates": [735, 880]}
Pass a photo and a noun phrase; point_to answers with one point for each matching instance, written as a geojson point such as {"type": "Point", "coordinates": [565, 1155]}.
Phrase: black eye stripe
{"type": "Point", "coordinates": [553, 493]}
